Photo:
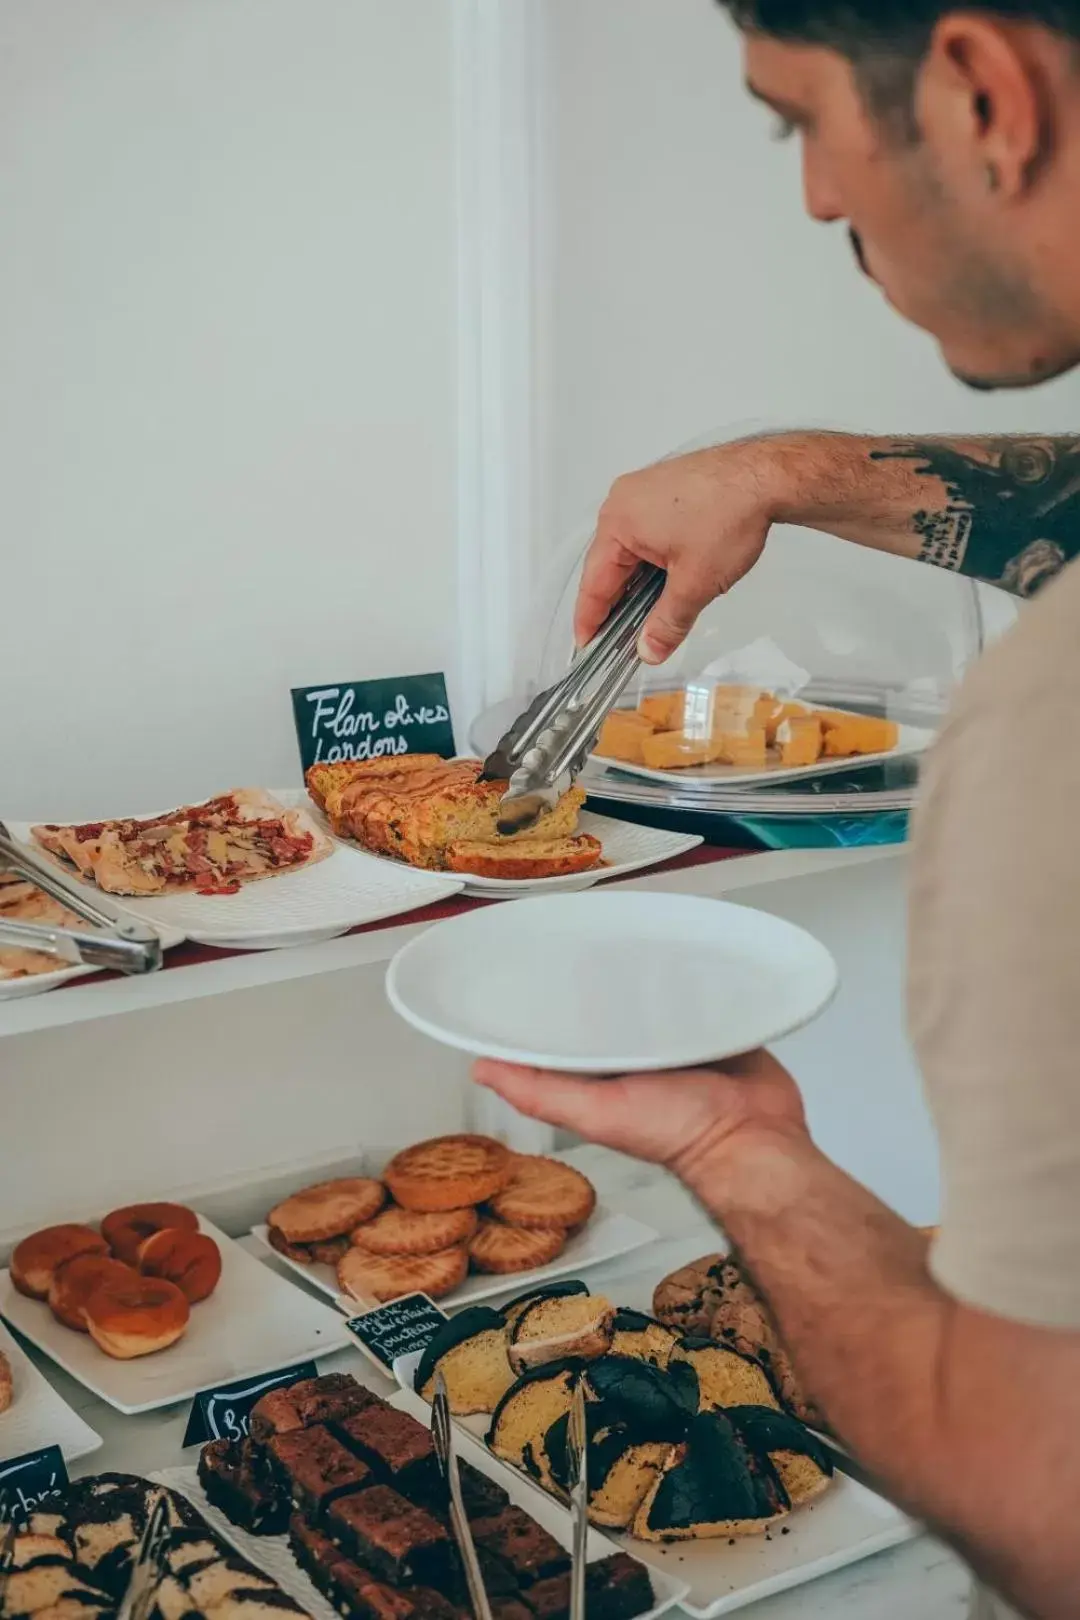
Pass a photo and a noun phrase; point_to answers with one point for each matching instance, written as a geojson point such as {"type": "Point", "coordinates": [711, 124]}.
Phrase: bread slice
{"type": "Point", "coordinates": [726, 1377]}
{"type": "Point", "coordinates": [538, 858]}
{"type": "Point", "coordinates": [712, 1486]}
{"type": "Point", "coordinates": [470, 1352]}
{"type": "Point", "coordinates": [528, 1409]}
{"type": "Point", "coordinates": [552, 1329]}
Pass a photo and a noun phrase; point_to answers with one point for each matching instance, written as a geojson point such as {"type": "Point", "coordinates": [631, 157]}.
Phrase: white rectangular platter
{"type": "Point", "coordinates": [608, 1235]}
{"type": "Point", "coordinates": [272, 1554]}
{"type": "Point", "coordinates": [843, 1527]}
{"type": "Point", "coordinates": [38, 1416]}
{"type": "Point", "coordinates": [346, 890]}
{"type": "Point", "coordinates": [252, 1323]}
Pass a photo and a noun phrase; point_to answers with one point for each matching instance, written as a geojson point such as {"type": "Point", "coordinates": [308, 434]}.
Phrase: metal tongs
{"type": "Point", "coordinates": [547, 747]}
{"type": "Point", "coordinates": [443, 1440]}
{"type": "Point", "coordinates": [121, 943]}
{"type": "Point", "coordinates": [577, 1453]}
{"type": "Point", "coordinates": [148, 1565]}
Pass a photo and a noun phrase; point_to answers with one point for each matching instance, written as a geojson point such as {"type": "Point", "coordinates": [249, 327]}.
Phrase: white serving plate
{"type": "Point", "coordinates": [611, 983]}
{"type": "Point", "coordinates": [627, 849]}
{"type": "Point", "coordinates": [346, 890]}
{"type": "Point", "coordinates": [272, 1554]}
{"type": "Point", "coordinates": [253, 1323]}
{"type": "Point", "coordinates": [843, 1527]}
{"type": "Point", "coordinates": [912, 740]}
{"type": "Point", "coordinates": [607, 1235]}
{"type": "Point", "coordinates": [38, 1416]}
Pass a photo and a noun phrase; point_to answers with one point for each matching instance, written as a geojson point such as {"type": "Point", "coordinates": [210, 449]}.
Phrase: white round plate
{"type": "Point", "coordinates": [611, 983]}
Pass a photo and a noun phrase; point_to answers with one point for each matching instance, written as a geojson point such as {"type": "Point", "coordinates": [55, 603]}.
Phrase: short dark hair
{"type": "Point", "coordinates": [885, 39]}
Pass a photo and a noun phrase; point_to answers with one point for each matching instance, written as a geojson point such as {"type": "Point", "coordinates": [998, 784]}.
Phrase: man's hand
{"type": "Point", "coordinates": [701, 1124]}
{"type": "Point", "coordinates": [703, 517]}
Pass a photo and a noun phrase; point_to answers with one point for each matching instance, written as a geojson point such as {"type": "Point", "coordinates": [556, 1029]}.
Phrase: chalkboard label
{"type": "Point", "coordinates": [398, 1329]}
{"type": "Point", "coordinates": [27, 1483]}
{"type": "Point", "coordinates": [224, 1414]}
{"type": "Point", "coordinates": [373, 719]}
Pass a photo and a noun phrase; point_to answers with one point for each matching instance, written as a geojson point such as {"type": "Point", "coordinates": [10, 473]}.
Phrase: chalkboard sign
{"type": "Point", "coordinates": [27, 1483]}
{"type": "Point", "coordinates": [398, 1329]}
{"type": "Point", "coordinates": [223, 1414]}
{"type": "Point", "coordinates": [373, 719]}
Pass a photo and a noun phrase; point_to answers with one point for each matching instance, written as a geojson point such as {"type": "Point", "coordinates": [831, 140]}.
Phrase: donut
{"type": "Point", "coordinates": [125, 1230]}
{"type": "Point", "coordinates": [36, 1258]}
{"type": "Point", "coordinates": [76, 1280]}
{"type": "Point", "coordinates": [191, 1260]}
{"type": "Point", "coordinates": [134, 1316]}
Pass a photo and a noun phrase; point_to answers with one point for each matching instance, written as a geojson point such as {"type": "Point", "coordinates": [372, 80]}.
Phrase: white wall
{"type": "Point", "coordinates": [687, 290]}
{"type": "Point", "coordinates": [227, 381]}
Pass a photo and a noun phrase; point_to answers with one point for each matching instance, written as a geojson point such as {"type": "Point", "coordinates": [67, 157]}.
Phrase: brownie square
{"type": "Point", "coordinates": [312, 1550]}
{"type": "Point", "coordinates": [524, 1546]}
{"type": "Point", "coordinates": [398, 1542]}
{"type": "Point", "coordinates": [550, 1599]}
{"type": "Point", "coordinates": [359, 1596]}
{"type": "Point", "coordinates": [316, 1468]}
{"type": "Point", "coordinates": [618, 1588]}
{"type": "Point", "coordinates": [274, 1413]}
{"type": "Point", "coordinates": [511, 1609]}
{"type": "Point", "coordinates": [397, 1448]}
{"type": "Point", "coordinates": [333, 1397]}
{"type": "Point", "coordinates": [231, 1474]}
{"type": "Point", "coordinates": [480, 1495]}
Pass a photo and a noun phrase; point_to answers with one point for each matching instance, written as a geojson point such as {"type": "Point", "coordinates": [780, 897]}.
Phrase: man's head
{"type": "Point", "coordinates": [948, 139]}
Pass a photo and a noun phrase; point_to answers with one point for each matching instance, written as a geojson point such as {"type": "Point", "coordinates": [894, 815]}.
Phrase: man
{"type": "Point", "coordinates": [949, 140]}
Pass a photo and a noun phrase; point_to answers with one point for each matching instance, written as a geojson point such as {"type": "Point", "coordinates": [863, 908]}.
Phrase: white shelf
{"type": "Point", "coordinates": [83, 1003]}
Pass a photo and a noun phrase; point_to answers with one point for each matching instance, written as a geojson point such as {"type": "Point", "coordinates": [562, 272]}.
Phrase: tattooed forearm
{"type": "Point", "coordinates": [1002, 510]}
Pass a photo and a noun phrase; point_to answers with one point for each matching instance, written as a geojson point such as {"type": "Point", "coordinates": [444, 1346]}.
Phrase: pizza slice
{"type": "Point", "coordinates": [227, 841]}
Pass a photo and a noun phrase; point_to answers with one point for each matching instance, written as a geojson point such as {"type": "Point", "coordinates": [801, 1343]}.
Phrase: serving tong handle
{"type": "Point", "coordinates": [123, 944]}
{"type": "Point", "coordinates": [577, 1456]}
{"type": "Point", "coordinates": [443, 1441]}
{"type": "Point", "coordinates": [548, 745]}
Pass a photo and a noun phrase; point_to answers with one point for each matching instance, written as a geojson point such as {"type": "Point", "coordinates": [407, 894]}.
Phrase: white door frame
{"type": "Point", "coordinates": [500, 160]}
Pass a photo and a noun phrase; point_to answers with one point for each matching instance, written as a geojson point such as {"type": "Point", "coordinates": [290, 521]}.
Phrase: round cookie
{"type": "Point", "coordinates": [384, 1277]}
{"type": "Point", "coordinates": [449, 1172]}
{"type": "Point", "coordinates": [410, 1231]}
{"type": "Point", "coordinates": [328, 1210]}
{"type": "Point", "coordinates": [503, 1250]}
{"type": "Point", "coordinates": [544, 1195]}
{"type": "Point", "coordinates": [327, 1253]}
{"type": "Point", "coordinates": [687, 1299]}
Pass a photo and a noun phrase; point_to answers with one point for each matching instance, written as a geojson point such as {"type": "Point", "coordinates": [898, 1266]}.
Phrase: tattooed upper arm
{"type": "Point", "coordinates": [1011, 513]}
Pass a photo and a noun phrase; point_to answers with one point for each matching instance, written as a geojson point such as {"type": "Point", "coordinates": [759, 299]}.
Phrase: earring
{"type": "Point", "coordinates": [993, 177]}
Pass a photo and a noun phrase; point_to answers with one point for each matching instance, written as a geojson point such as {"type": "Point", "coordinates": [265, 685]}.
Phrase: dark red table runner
{"type": "Point", "coordinates": [189, 954]}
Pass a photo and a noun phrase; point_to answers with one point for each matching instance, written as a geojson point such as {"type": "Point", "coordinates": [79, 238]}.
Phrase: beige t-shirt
{"type": "Point", "coordinates": [994, 973]}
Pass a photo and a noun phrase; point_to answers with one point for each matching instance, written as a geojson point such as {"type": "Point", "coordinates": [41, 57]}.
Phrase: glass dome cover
{"type": "Point", "coordinates": [819, 623]}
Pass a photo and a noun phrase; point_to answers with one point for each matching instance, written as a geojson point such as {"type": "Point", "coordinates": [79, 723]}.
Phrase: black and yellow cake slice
{"type": "Point", "coordinates": [713, 1485]}
{"type": "Point", "coordinates": [622, 1470]}
{"type": "Point", "coordinates": [799, 1457]}
{"type": "Point", "coordinates": [558, 1326]}
{"type": "Point", "coordinates": [653, 1404]}
{"type": "Point", "coordinates": [470, 1352]}
{"type": "Point", "coordinates": [726, 1377]}
{"type": "Point", "coordinates": [529, 1408]}
{"type": "Point", "coordinates": [565, 1288]}
{"type": "Point", "coordinates": [635, 1334]}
